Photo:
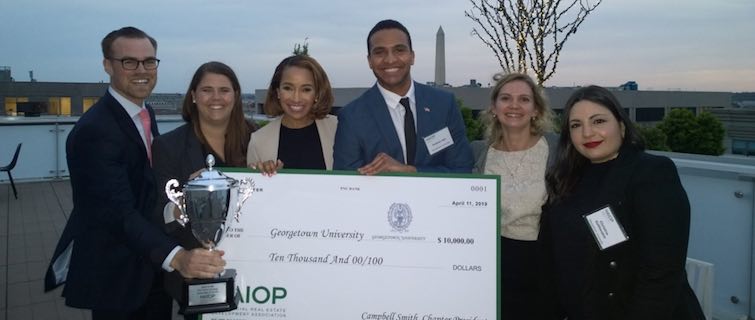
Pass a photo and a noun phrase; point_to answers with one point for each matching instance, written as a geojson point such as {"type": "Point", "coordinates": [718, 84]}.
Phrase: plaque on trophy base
{"type": "Point", "coordinates": [210, 295]}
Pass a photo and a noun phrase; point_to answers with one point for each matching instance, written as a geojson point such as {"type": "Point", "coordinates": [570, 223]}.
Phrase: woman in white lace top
{"type": "Point", "coordinates": [518, 147]}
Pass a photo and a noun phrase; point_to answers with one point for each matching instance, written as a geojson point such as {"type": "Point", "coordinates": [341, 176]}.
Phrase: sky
{"type": "Point", "coordinates": [691, 45]}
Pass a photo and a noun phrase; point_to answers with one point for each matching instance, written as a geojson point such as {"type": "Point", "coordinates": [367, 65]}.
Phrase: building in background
{"type": "Point", "coordinates": [51, 98]}
{"type": "Point", "coordinates": [36, 98]}
{"type": "Point", "coordinates": [736, 111]}
{"type": "Point", "coordinates": [739, 122]}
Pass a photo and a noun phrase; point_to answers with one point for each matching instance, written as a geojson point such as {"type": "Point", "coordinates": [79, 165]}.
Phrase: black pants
{"type": "Point", "coordinates": [157, 307]}
{"type": "Point", "coordinates": [519, 284]}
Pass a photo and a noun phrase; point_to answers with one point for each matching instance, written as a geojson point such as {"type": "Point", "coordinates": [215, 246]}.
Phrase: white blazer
{"type": "Point", "coordinates": [263, 145]}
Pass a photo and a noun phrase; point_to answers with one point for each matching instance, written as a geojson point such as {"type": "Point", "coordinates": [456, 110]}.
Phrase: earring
{"type": "Point", "coordinates": [193, 101]}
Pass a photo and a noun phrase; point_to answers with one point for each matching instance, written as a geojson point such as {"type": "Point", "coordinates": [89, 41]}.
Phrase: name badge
{"type": "Point", "coordinates": [605, 228]}
{"type": "Point", "coordinates": [438, 141]}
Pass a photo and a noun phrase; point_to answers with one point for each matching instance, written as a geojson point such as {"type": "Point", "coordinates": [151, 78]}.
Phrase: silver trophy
{"type": "Point", "coordinates": [211, 202]}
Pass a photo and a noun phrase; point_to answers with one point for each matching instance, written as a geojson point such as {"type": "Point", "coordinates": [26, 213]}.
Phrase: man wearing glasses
{"type": "Point", "coordinates": [113, 247]}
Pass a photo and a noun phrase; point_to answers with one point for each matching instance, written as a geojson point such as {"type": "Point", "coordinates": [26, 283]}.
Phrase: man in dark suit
{"type": "Point", "coordinates": [399, 125]}
{"type": "Point", "coordinates": [112, 249]}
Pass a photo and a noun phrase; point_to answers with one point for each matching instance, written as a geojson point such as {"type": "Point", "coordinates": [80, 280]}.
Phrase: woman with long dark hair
{"type": "Point", "coordinates": [215, 124]}
{"type": "Point", "coordinates": [616, 226]}
{"type": "Point", "coordinates": [302, 134]}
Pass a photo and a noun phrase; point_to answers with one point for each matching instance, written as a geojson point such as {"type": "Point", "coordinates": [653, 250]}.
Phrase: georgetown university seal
{"type": "Point", "coordinates": [399, 216]}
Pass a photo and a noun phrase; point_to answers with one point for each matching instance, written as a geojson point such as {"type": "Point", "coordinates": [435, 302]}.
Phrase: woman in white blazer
{"type": "Point", "coordinates": [301, 137]}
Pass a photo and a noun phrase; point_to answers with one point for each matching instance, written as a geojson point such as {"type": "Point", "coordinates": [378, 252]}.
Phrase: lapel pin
{"type": "Point", "coordinates": [427, 109]}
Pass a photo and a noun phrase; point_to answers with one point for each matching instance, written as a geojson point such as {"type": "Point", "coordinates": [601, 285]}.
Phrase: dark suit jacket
{"type": "Point", "coordinates": [365, 129]}
{"type": "Point", "coordinates": [117, 249]}
{"type": "Point", "coordinates": [644, 277]}
{"type": "Point", "coordinates": [176, 155]}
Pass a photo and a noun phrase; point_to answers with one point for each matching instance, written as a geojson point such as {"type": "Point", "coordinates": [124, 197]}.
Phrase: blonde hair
{"type": "Point", "coordinates": [539, 125]}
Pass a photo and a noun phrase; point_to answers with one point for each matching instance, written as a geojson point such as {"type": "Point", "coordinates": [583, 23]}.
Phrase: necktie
{"type": "Point", "coordinates": [147, 126]}
{"type": "Point", "coordinates": [410, 134]}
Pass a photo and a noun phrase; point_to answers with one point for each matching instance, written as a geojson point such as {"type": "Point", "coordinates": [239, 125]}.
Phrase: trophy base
{"type": "Point", "coordinates": [209, 295]}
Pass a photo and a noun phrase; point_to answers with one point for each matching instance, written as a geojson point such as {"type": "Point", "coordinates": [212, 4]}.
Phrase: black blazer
{"type": "Point", "coordinates": [644, 277]}
{"type": "Point", "coordinates": [176, 155]}
{"type": "Point", "coordinates": [117, 249]}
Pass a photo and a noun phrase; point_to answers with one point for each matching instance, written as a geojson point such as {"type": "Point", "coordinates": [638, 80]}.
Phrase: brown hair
{"type": "Point", "coordinates": [324, 93]}
{"type": "Point", "coordinates": [238, 131]}
{"type": "Point", "coordinates": [125, 32]}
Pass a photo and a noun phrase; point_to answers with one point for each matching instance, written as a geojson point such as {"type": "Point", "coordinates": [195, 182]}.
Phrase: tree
{"type": "Point", "coordinates": [686, 133]}
{"type": "Point", "coordinates": [680, 128]}
{"type": "Point", "coordinates": [471, 123]}
{"type": "Point", "coordinates": [711, 134]}
{"type": "Point", "coordinates": [302, 49]}
{"type": "Point", "coordinates": [528, 34]}
{"type": "Point", "coordinates": [655, 138]}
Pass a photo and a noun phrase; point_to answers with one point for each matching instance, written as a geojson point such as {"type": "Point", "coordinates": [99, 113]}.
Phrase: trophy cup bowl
{"type": "Point", "coordinates": [210, 202]}
{"type": "Point", "coordinates": [207, 208]}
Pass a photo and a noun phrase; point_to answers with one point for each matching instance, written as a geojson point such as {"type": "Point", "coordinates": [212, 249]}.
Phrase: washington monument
{"type": "Point", "coordinates": [440, 58]}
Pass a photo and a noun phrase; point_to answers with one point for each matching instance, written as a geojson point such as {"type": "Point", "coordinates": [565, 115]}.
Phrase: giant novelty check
{"type": "Point", "coordinates": [341, 246]}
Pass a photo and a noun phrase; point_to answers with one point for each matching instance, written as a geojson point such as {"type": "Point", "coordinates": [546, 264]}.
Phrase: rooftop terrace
{"type": "Point", "coordinates": [29, 230]}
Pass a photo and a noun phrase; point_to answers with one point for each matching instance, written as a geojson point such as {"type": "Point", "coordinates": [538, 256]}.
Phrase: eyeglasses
{"type": "Point", "coordinates": [133, 64]}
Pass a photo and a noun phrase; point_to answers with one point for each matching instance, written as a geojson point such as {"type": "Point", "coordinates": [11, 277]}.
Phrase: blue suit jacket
{"type": "Point", "coordinates": [365, 129]}
{"type": "Point", "coordinates": [117, 245]}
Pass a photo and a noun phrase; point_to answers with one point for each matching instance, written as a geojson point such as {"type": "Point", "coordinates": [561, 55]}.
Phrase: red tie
{"type": "Point", "coordinates": [146, 125]}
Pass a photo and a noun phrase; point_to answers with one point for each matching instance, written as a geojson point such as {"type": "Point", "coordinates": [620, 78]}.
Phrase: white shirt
{"type": "Point", "coordinates": [133, 111]}
{"type": "Point", "coordinates": [523, 189]}
{"type": "Point", "coordinates": [396, 110]}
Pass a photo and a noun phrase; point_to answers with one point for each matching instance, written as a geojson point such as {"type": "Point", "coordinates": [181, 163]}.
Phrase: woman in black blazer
{"type": "Point", "coordinates": [215, 124]}
{"type": "Point", "coordinates": [614, 232]}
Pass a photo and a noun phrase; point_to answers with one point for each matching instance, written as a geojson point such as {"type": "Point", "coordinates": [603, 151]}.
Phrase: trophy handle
{"type": "Point", "coordinates": [177, 197]}
{"type": "Point", "coordinates": [246, 187]}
